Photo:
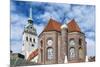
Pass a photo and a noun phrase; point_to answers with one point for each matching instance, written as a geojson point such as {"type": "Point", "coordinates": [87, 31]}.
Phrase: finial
{"type": "Point", "coordinates": [64, 26]}
{"type": "Point", "coordinates": [66, 60]}
{"type": "Point", "coordinates": [30, 16]}
{"type": "Point", "coordinates": [86, 59]}
{"type": "Point", "coordinates": [30, 13]}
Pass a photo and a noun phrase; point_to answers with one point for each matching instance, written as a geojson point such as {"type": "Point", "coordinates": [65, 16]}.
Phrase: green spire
{"type": "Point", "coordinates": [30, 16]}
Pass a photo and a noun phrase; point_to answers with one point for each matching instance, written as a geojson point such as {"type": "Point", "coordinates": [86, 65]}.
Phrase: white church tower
{"type": "Point", "coordinates": [29, 37]}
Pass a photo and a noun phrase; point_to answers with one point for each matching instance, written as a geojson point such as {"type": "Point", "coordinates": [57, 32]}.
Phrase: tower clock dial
{"type": "Point", "coordinates": [49, 42]}
{"type": "Point", "coordinates": [72, 42]}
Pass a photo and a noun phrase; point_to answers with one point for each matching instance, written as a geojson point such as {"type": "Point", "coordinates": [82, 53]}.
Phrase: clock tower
{"type": "Point", "coordinates": [76, 49]}
{"type": "Point", "coordinates": [64, 38]}
{"type": "Point", "coordinates": [29, 37]}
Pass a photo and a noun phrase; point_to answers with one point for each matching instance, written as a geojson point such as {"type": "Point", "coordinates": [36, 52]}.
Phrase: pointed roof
{"type": "Point", "coordinates": [52, 26]}
{"type": "Point", "coordinates": [30, 20]}
{"type": "Point", "coordinates": [33, 55]}
{"type": "Point", "coordinates": [73, 26]}
{"type": "Point", "coordinates": [56, 26]}
{"type": "Point", "coordinates": [30, 13]}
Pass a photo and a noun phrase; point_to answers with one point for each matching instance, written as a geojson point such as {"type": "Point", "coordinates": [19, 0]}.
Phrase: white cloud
{"type": "Point", "coordinates": [16, 32]}
{"type": "Point", "coordinates": [17, 25]}
{"type": "Point", "coordinates": [39, 28]}
{"type": "Point", "coordinates": [45, 17]}
{"type": "Point", "coordinates": [91, 47]}
{"type": "Point", "coordinates": [18, 19]}
{"type": "Point", "coordinates": [12, 7]}
{"type": "Point", "coordinates": [90, 34]}
{"type": "Point", "coordinates": [85, 15]}
{"type": "Point", "coordinates": [16, 46]}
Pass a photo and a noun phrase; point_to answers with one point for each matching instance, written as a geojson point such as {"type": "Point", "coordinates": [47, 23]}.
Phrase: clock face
{"type": "Point", "coordinates": [72, 42]}
{"type": "Point", "coordinates": [49, 42]}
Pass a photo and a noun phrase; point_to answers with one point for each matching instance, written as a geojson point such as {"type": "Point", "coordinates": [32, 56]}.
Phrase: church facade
{"type": "Point", "coordinates": [56, 44]}
{"type": "Point", "coordinates": [59, 43]}
{"type": "Point", "coordinates": [30, 40]}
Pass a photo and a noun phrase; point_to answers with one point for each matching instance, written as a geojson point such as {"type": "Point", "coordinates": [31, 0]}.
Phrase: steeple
{"type": "Point", "coordinates": [30, 27]}
{"type": "Point", "coordinates": [30, 39]}
{"type": "Point", "coordinates": [30, 14]}
{"type": "Point", "coordinates": [30, 20]}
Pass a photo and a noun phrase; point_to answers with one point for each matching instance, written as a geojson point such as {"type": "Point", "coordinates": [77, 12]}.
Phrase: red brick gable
{"type": "Point", "coordinates": [73, 26]}
{"type": "Point", "coordinates": [52, 26]}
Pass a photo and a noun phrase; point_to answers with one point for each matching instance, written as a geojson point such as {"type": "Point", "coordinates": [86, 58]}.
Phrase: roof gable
{"type": "Point", "coordinates": [52, 26]}
{"type": "Point", "coordinates": [56, 26]}
{"type": "Point", "coordinates": [73, 26]}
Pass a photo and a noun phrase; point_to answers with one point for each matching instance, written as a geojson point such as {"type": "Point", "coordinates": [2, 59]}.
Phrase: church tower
{"type": "Point", "coordinates": [76, 43]}
{"type": "Point", "coordinates": [64, 38]}
{"type": "Point", "coordinates": [62, 43]}
{"type": "Point", "coordinates": [50, 43]}
{"type": "Point", "coordinates": [29, 37]}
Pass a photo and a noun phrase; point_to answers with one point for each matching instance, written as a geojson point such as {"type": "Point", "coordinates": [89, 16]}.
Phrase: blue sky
{"type": "Point", "coordinates": [42, 12]}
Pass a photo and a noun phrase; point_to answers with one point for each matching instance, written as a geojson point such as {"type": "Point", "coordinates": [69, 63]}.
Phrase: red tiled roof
{"type": "Point", "coordinates": [52, 26]}
{"type": "Point", "coordinates": [73, 26]}
{"type": "Point", "coordinates": [33, 55]}
{"type": "Point", "coordinates": [56, 26]}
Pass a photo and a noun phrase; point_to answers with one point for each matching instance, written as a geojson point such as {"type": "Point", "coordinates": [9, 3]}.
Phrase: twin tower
{"type": "Point", "coordinates": [57, 43]}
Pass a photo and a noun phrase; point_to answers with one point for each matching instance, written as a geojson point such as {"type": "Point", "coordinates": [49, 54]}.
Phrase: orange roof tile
{"type": "Point", "coordinates": [52, 26]}
{"type": "Point", "coordinates": [33, 55]}
{"type": "Point", "coordinates": [56, 26]}
{"type": "Point", "coordinates": [73, 26]}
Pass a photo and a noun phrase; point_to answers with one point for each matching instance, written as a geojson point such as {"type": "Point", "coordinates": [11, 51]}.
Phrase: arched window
{"type": "Point", "coordinates": [26, 38]}
{"type": "Point", "coordinates": [32, 45]}
{"type": "Point", "coordinates": [31, 27]}
{"type": "Point", "coordinates": [33, 40]}
{"type": "Point", "coordinates": [80, 41]}
{"type": "Point", "coordinates": [41, 55]}
{"type": "Point", "coordinates": [30, 39]}
{"type": "Point", "coordinates": [41, 43]}
{"type": "Point", "coordinates": [50, 53]}
{"type": "Point", "coordinates": [80, 53]}
{"type": "Point", "coordinates": [72, 53]}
